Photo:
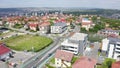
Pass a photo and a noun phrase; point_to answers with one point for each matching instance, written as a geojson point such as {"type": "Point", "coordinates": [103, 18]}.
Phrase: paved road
{"type": "Point", "coordinates": [93, 53]}
{"type": "Point", "coordinates": [77, 28]}
{"type": "Point", "coordinates": [42, 56]}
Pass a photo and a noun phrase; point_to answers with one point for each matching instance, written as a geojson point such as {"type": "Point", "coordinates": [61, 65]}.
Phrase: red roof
{"type": "Point", "coordinates": [44, 24]}
{"type": "Point", "coordinates": [86, 23]}
{"type": "Point", "coordinates": [84, 62]}
{"type": "Point", "coordinates": [116, 65]}
{"type": "Point", "coordinates": [3, 49]}
{"type": "Point", "coordinates": [66, 56]}
{"type": "Point", "coordinates": [33, 25]}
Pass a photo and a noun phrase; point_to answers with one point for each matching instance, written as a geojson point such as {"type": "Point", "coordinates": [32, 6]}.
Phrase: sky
{"type": "Point", "coordinates": [109, 4]}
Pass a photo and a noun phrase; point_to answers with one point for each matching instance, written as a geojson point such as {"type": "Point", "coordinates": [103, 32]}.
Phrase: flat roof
{"type": "Point", "coordinates": [78, 36]}
{"type": "Point", "coordinates": [60, 24]}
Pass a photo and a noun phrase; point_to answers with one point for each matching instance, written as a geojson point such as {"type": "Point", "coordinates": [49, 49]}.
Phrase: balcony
{"type": "Point", "coordinates": [117, 49]}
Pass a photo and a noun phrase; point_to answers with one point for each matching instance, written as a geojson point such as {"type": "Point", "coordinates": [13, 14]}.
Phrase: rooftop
{"type": "Point", "coordinates": [60, 24]}
{"type": "Point", "coordinates": [113, 40]}
{"type": "Point", "coordinates": [78, 36]}
{"type": "Point", "coordinates": [116, 64]}
{"type": "Point", "coordinates": [3, 49]}
{"type": "Point", "coordinates": [110, 30]}
{"type": "Point", "coordinates": [66, 56]}
{"type": "Point", "coordinates": [84, 62]}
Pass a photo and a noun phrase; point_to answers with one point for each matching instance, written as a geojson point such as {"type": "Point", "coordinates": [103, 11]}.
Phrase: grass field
{"type": "Point", "coordinates": [28, 42]}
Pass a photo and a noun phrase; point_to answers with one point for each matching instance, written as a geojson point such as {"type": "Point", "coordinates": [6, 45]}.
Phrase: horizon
{"type": "Point", "coordinates": [107, 4]}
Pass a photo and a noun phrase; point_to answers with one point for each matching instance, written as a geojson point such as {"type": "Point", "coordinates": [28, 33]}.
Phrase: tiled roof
{"type": "Point", "coordinates": [44, 24]}
{"type": "Point", "coordinates": [3, 49]}
{"type": "Point", "coordinates": [84, 62]}
{"type": "Point", "coordinates": [33, 25]}
{"type": "Point", "coordinates": [116, 65]}
{"type": "Point", "coordinates": [66, 56]}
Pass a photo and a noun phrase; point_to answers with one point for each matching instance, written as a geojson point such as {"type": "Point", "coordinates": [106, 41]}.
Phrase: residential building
{"type": "Point", "coordinates": [1, 23]}
{"type": "Point", "coordinates": [109, 32]}
{"type": "Point", "coordinates": [112, 47]}
{"type": "Point", "coordinates": [33, 26]}
{"type": "Point", "coordinates": [63, 59]}
{"type": "Point", "coordinates": [58, 27]}
{"type": "Point", "coordinates": [86, 23]}
{"type": "Point", "coordinates": [4, 52]}
{"type": "Point", "coordinates": [76, 43]}
{"type": "Point", "coordinates": [116, 64]}
{"type": "Point", "coordinates": [85, 62]}
{"type": "Point", "coordinates": [44, 27]}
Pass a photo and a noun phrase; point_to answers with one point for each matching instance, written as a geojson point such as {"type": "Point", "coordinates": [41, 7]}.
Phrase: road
{"type": "Point", "coordinates": [41, 56]}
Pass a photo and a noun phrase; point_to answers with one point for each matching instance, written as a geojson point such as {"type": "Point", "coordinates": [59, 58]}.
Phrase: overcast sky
{"type": "Point", "coordinates": [112, 4]}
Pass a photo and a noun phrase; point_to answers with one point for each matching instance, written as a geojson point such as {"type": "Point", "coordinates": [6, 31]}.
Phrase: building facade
{"type": "Point", "coordinates": [109, 32]}
{"type": "Point", "coordinates": [63, 59]}
{"type": "Point", "coordinates": [112, 47]}
{"type": "Point", "coordinates": [44, 27]}
{"type": "Point", "coordinates": [76, 43]}
{"type": "Point", "coordinates": [58, 27]}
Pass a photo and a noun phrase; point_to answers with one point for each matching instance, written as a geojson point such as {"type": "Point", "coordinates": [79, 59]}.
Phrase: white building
{"type": "Point", "coordinates": [58, 27]}
{"type": "Point", "coordinates": [112, 47]}
{"type": "Point", "coordinates": [109, 32]}
{"type": "Point", "coordinates": [87, 24]}
{"type": "Point", "coordinates": [63, 59]}
{"type": "Point", "coordinates": [76, 43]}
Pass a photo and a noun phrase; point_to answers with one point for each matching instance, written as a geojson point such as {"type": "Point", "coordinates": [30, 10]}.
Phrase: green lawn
{"type": "Point", "coordinates": [28, 42]}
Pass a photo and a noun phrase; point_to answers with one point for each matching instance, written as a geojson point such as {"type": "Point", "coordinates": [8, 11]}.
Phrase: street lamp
{"type": "Point", "coordinates": [32, 49]}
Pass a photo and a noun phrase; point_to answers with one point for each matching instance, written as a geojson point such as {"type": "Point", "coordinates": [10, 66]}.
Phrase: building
{"type": "Point", "coordinates": [76, 43]}
{"type": "Point", "coordinates": [86, 23]}
{"type": "Point", "coordinates": [112, 47]}
{"type": "Point", "coordinates": [84, 62]}
{"type": "Point", "coordinates": [63, 59]}
{"type": "Point", "coordinates": [109, 32]}
{"type": "Point", "coordinates": [44, 27]}
{"type": "Point", "coordinates": [116, 64]}
{"type": "Point", "coordinates": [33, 26]}
{"type": "Point", "coordinates": [58, 27]}
{"type": "Point", "coordinates": [4, 52]}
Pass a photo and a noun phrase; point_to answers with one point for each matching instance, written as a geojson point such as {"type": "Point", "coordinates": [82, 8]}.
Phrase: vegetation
{"type": "Point", "coordinates": [95, 38]}
{"type": "Point", "coordinates": [28, 42]}
{"type": "Point", "coordinates": [49, 66]}
{"type": "Point", "coordinates": [83, 30]}
{"type": "Point", "coordinates": [113, 23]}
{"type": "Point", "coordinates": [52, 60]}
{"type": "Point", "coordinates": [107, 63]}
{"type": "Point", "coordinates": [74, 59]}
{"type": "Point", "coordinates": [18, 26]}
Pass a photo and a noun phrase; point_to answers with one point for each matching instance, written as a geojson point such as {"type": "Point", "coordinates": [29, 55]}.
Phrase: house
{"type": "Point", "coordinates": [109, 32]}
{"type": "Point", "coordinates": [58, 27]}
{"type": "Point", "coordinates": [44, 27]}
{"type": "Point", "coordinates": [84, 62]}
{"type": "Point", "coordinates": [111, 46]}
{"type": "Point", "coordinates": [75, 44]}
{"type": "Point", "coordinates": [5, 52]}
{"type": "Point", "coordinates": [63, 59]}
{"type": "Point", "coordinates": [1, 23]}
{"type": "Point", "coordinates": [33, 26]}
{"type": "Point", "coordinates": [86, 23]}
{"type": "Point", "coordinates": [116, 64]}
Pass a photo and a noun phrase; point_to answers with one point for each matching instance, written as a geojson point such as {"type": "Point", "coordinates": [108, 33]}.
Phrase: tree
{"type": "Point", "coordinates": [83, 30]}
{"type": "Point", "coordinates": [107, 63]}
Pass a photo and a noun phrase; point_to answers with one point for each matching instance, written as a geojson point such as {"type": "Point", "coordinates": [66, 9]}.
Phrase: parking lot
{"type": "Point", "coordinates": [19, 58]}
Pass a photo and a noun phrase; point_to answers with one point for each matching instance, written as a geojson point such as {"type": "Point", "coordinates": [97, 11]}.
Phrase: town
{"type": "Point", "coordinates": [59, 40]}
